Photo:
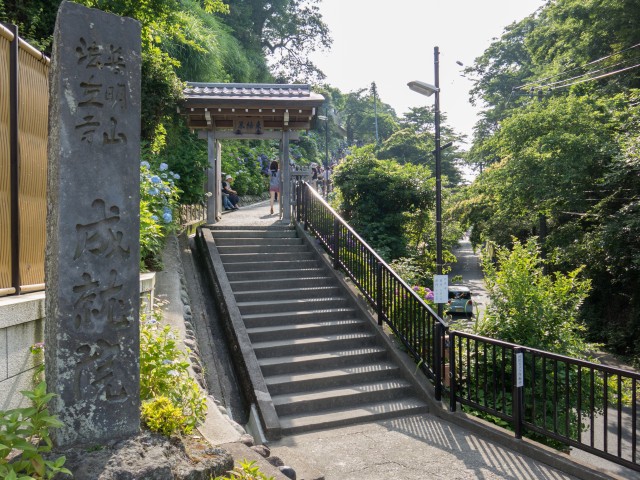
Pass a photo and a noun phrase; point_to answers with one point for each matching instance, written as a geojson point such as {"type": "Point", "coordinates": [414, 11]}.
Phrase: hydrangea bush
{"type": "Point", "coordinates": [159, 197]}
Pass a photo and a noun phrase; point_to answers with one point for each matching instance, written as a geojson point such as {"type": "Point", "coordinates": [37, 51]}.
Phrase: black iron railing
{"type": "Point", "coordinates": [572, 402]}
{"type": "Point", "coordinates": [409, 317]}
{"type": "Point", "coordinates": [545, 396]}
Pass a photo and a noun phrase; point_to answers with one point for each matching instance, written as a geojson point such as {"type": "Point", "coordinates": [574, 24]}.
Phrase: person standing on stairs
{"type": "Point", "coordinates": [274, 182]}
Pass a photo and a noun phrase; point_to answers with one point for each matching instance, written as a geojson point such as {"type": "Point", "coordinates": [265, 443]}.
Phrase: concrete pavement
{"type": "Point", "coordinates": [409, 448]}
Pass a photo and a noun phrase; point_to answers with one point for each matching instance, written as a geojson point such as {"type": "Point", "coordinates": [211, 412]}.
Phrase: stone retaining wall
{"type": "Point", "coordinates": [22, 320]}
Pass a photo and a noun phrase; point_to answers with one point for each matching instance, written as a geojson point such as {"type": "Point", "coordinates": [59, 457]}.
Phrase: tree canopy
{"type": "Point", "coordinates": [558, 143]}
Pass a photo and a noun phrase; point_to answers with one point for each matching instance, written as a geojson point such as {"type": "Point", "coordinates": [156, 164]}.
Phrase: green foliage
{"type": "Point", "coordinates": [245, 471]}
{"type": "Point", "coordinates": [286, 30]}
{"type": "Point", "coordinates": [164, 372]}
{"type": "Point", "coordinates": [530, 308]}
{"type": "Point", "coordinates": [381, 197]}
{"type": "Point", "coordinates": [158, 202]}
{"type": "Point", "coordinates": [162, 416]}
{"type": "Point", "coordinates": [26, 430]}
{"type": "Point", "coordinates": [240, 160]}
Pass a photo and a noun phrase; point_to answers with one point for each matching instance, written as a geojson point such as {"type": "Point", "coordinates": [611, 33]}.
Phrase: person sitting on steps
{"type": "Point", "coordinates": [233, 195]}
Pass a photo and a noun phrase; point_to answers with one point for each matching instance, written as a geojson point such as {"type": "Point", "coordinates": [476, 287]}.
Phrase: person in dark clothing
{"type": "Point", "coordinates": [274, 183]}
{"type": "Point", "coordinates": [233, 195]}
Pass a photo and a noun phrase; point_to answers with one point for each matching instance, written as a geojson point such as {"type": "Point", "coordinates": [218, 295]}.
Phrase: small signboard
{"type": "Point", "coordinates": [248, 125]}
{"type": "Point", "coordinates": [441, 288]}
{"type": "Point", "coordinates": [519, 370]}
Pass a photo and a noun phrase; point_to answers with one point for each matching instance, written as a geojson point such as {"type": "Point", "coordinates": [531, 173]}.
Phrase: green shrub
{"type": "Point", "coordinates": [164, 372]}
{"type": "Point", "coordinates": [162, 416]}
{"type": "Point", "coordinates": [158, 202]}
{"type": "Point", "coordinates": [245, 471]}
{"type": "Point", "coordinates": [26, 430]}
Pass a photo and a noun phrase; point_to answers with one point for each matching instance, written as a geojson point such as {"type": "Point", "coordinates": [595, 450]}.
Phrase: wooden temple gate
{"type": "Point", "coordinates": [245, 111]}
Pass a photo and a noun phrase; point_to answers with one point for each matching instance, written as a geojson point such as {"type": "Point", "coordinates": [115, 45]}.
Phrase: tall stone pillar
{"type": "Point", "coordinates": [92, 256]}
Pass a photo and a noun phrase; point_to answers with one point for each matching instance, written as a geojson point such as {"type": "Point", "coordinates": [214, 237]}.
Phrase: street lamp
{"type": "Point", "coordinates": [427, 89]}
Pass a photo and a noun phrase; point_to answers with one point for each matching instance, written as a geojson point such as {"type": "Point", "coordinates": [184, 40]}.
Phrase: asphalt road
{"type": "Point", "coordinates": [468, 267]}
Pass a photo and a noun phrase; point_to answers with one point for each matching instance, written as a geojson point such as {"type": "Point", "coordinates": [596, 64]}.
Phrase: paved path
{"type": "Point", "coordinates": [410, 448]}
{"type": "Point", "coordinates": [468, 267]}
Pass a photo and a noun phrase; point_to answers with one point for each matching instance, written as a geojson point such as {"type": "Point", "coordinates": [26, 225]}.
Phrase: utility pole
{"type": "Point", "coordinates": [374, 91]}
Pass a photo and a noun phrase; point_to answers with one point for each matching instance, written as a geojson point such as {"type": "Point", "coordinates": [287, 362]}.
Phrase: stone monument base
{"type": "Point", "coordinates": [148, 456]}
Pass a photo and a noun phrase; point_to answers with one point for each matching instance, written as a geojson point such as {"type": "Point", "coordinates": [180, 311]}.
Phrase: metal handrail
{"type": "Point", "coordinates": [564, 399]}
{"type": "Point", "coordinates": [423, 342]}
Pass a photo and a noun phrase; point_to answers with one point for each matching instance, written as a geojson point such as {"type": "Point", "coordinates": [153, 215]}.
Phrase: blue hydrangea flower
{"type": "Point", "coordinates": [154, 218]}
{"type": "Point", "coordinates": [163, 167]}
{"type": "Point", "coordinates": [176, 176]}
{"type": "Point", "coordinates": [155, 179]}
{"type": "Point", "coordinates": [145, 164]}
{"type": "Point", "coordinates": [153, 191]}
{"type": "Point", "coordinates": [167, 217]}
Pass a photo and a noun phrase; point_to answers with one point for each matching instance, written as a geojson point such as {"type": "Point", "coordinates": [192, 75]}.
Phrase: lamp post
{"type": "Point", "coordinates": [428, 90]}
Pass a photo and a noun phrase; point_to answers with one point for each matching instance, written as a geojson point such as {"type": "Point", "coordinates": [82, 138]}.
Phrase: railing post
{"type": "Point", "coordinates": [379, 291]}
{"type": "Point", "coordinates": [305, 200]}
{"type": "Point", "coordinates": [452, 372]}
{"type": "Point", "coordinates": [437, 359]}
{"type": "Point", "coordinates": [14, 155]}
{"type": "Point", "coordinates": [336, 243]}
{"type": "Point", "coordinates": [518, 390]}
{"type": "Point", "coordinates": [298, 201]}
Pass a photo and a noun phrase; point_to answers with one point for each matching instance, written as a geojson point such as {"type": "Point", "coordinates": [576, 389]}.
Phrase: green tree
{"type": "Point", "coordinates": [380, 198]}
{"type": "Point", "coordinates": [286, 30]}
{"type": "Point", "coordinates": [530, 308]}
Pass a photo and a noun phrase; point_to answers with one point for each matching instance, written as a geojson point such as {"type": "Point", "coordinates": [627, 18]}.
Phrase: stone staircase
{"type": "Point", "coordinates": [322, 360]}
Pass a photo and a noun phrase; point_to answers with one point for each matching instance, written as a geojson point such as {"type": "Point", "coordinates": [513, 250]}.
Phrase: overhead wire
{"type": "Point", "coordinates": [537, 82]}
{"type": "Point", "coordinates": [548, 85]}
{"type": "Point", "coordinates": [608, 74]}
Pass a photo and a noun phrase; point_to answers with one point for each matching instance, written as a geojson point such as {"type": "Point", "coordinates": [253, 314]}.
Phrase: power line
{"type": "Point", "coordinates": [598, 77]}
{"type": "Point", "coordinates": [548, 85]}
{"type": "Point", "coordinates": [537, 82]}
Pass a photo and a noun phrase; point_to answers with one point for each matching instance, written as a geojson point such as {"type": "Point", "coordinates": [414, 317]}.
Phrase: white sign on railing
{"type": "Point", "coordinates": [519, 370]}
{"type": "Point", "coordinates": [441, 288]}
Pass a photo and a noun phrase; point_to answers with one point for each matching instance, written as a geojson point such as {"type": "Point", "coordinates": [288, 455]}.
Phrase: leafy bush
{"type": "Point", "coordinates": [530, 308]}
{"type": "Point", "coordinates": [164, 372]}
{"type": "Point", "coordinates": [158, 202]}
{"type": "Point", "coordinates": [245, 471]}
{"type": "Point", "coordinates": [162, 416]}
{"type": "Point", "coordinates": [241, 161]}
{"type": "Point", "coordinates": [26, 430]}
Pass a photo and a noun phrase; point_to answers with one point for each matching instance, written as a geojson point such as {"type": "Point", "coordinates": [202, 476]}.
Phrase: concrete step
{"type": "Point", "coordinates": [370, 412]}
{"type": "Point", "coordinates": [276, 348]}
{"type": "Point", "coordinates": [264, 334]}
{"type": "Point", "coordinates": [281, 242]}
{"type": "Point", "coordinates": [294, 305]}
{"type": "Point", "coordinates": [322, 360]}
{"type": "Point", "coordinates": [266, 276]}
{"type": "Point", "coordinates": [266, 248]}
{"type": "Point", "coordinates": [240, 287]}
{"type": "Point", "coordinates": [336, 377]}
{"type": "Point", "coordinates": [266, 258]}
{"type": "Point", "coordinates": [291, 318]}
{"type": "Point", "coordinates": [263, 294]}
{"type": "Point", "coordinates": [273, 265]}
{"type": "Point", "coordinates": [253, 233]}
{"type": "Point", "coordinates": [338, 397]}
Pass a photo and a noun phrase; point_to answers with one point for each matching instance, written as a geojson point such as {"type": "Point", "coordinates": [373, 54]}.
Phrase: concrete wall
{"type": "Point", "coordinates": [22, 326]}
